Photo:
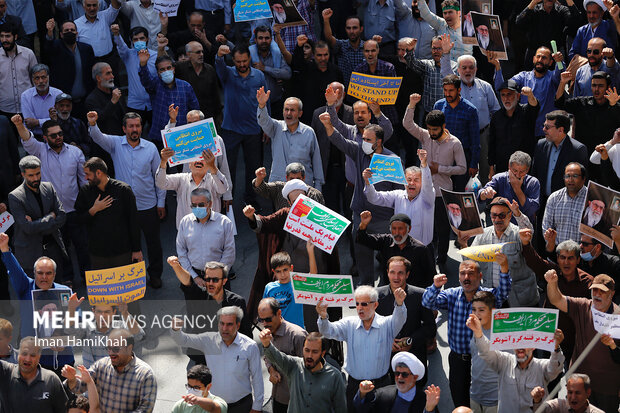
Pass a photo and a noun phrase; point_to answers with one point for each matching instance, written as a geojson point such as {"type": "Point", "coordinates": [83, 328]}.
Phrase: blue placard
{"type": "Point", "coordinates": [246, 10]}
{"type": "Point", "coordinates": [387, 168]}
{"type": "Point", "coordinates": [188, 141]}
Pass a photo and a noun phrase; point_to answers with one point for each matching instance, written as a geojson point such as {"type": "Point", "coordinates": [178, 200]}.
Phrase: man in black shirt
{"type": "Point", "coordinates": [108, 209]}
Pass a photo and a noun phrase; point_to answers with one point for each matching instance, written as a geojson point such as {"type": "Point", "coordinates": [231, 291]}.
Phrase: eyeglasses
{"type": "Point", "coordinates": [357, 304]}
{"type": "Point", "coordinates": [436, 49]}
{"type": "Point", "coordinates": [201, 204]}
{"type": "Point", "coordinates": [212, 279]}
{"type": "Point", "coordinates": [264, 320]}
{"type": "Point", "coordinates": [114, 349]}
{"type": "Point", "coordinates": [585, 243]}
{"type": "Point", "coordinates": [547, 126]}
{"type": "Point", "coordinates": [402, 373]}
{"type": "Point", "coordinates": [188, 387]}
{"type": "Point", "coordinates": [595, 52]}
{"type": "Point", "coordinates": [500, 216]}
{"type": "Point", "coordinates": [572, 176]}
{"type": "Point", "coordinates": [55, 135]}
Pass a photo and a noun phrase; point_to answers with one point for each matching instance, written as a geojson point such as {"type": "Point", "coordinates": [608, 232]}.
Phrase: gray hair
{"type": "Point", "coordinates": [520, 158]}
{"type": "Point", "coordinates": [371, 292]}
{"type": "Point", "coordinates": [98, 69]}
{"type": "Point", "coordinates": [196, 112]}
{"type": "Point", "coordinates": [295, 168]}
{"type": "Point", "coordinates": [583, 377]}
{"type": "Point", "coordinates": [43, 257]}
{"type": "Point", "coordinates": [404, 39]}
{"type": "Point", "coordinates": [29, 162]}
{"type": "Point", "coordinates": [466, 57]}
{"type": "Point", "coordinates": [30, 341]}
{"type": "Point", "coordinates": [216, 265]}
{"type": "Point", "coordinates": [38, 68]}
{"type": "Point", "coordinates": [231, 310]}
{"type": "Point", "coordinates": [299, 104]}
{"type": "Point", "coordinates": [413, 170]}
{"type": "Point", "coordinates": [202, 192]}
{"type": "Point", "coordinates": [568, 246]}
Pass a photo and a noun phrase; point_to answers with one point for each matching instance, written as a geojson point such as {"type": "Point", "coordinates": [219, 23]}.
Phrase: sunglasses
{"type": "Point", "coordinates": [595, 52]}
{"type": "Point", "coordinates": [55, 135]}
{"type": "Point", "coordinates": [115, 349]}
{"type": "Point", "coordinates": [264, 320]}
{"type": "Point", "coordinates": [586, 243]}
{"type": "Point", "coordinates": [212, 279]}
{"type": "Point", "coordinates": [500, 216]}
{"type": "Point", "coordinates": [402, 373]}
{"type": "Point", "coordinates": [357, 304]}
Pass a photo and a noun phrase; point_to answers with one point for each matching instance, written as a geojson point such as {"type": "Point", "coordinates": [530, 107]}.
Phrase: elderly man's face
{"type": "Point", "coordinates": [44, 274]}
{"type": "Point", "coordinates": [195, 23]}
{"type": "Point", "coordinates": [397, 274]}
{"type": "Point", "coordinates": [577, 395]}
{"type": "Point", "coordinates": [454, 209]}
{"type": "Point", "coordinates": [573, 180]}
{"type": "Point", "coordinates": [601, 300]}
{"type": "Point", "coordinates": [41, 80]}
{"type": "Point", "coordinates": [500, 216]}
{"type": "Point", "coordinates": [63, 109]}
{"type": "Point", "coordinates": [91, 8]}
{"type": "Point", "coordinates": [436, 50]}
{"type": "Point", "coordinates": [228, 327]}
{"type": "Point", "coordinates": [567, 261]}
{"type": "Point", "coordinates": [196, 54]}
{"type": "Point", "coordinates": [365, 307]}
{"type": "Point", "coordinates": [509, 98]}
{"type": "Point", "coordinates": [106, 78]}
{"type": "Point", "coordinates": [28, 359]}
{"type": "Point", "coordinates": [291, 112]}
{"type": "Point", "coordinates": [518, 170]}
{"type": "Point", "coordinates": [597, 207]}
{"type": "Point", "coordinates": [399, 230]}
{"type": "Point", "coordinates": [405, 380]}
{"type": "Point", "coordinates": [594, 13]}
{"type": "Point", "coordinates": [467, 70]}
{"type": "Point", "coordinates": [414, 183]}
{"type": "Point", "coordinates": [469, 277]}
{"type": "Point", "coordinates": [268, 318]}
{"type": "Point", "coordinates": [524, 354]}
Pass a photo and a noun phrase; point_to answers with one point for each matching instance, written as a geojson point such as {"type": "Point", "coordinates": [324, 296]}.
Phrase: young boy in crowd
{"type": "Point", "coordinates": [7, 352]}
{"type": "Point", "coordinates": [483, 389]}
{"type": "Point", "coordinates": [198, 398]}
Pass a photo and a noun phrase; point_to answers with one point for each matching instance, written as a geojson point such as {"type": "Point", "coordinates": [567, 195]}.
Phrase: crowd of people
{"type": "Point", "coordinates": [86, 88]}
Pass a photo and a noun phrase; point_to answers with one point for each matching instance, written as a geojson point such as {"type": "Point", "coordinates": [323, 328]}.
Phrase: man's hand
{"type": "Point", "coordinates": [433, 393]}
{"type": "Point", "coordinates": [201, 37]}
{"type": "Point", "coordinates": [559, 337]}
{"type": "Point", "coordinates": [116, 96]}
{"type": "Point", "coordinates": [367, 174]}
{"type": "Point", "coordinates": [136, 256]}
{"type": "Point", "coordinates": [261, 174]}
{"type": "Point", "coordinates": [4, 242]}
{"type": "Point", "coordinates": [551, 277]}
{"type": "Point", "coordinates": [514, 208]}
{"type": "Point", "coordinates": [487, 193]}
{"type": "Point", "coordinates": [502, 260]}
{"type": "Point", "coordinates": [265, 337]}
{"type": "Point", "coordinates": [410, 44]}
{"type": "Point", "coordinates": [377, 38]}
{"type": "Point", "coordinates": [209, 160]}
{"type": "Point", "coordinates": [161, 213]}
{"type": "Point", "coordinates": [550, 235]}
{"type": "Point", "coordinates": [321, 309]}
{"type": "Point", "coordinates": [177, 324]}
{"type": "Point", "coordinates": [174, 262]}
{"type": "Point", "coordinates": [69, 373]}
{"type": "Point", "coordinates": [440, 280]}
{"type": "Point", "coordinates": [223, 50]}
{"type": "Point", "coordinates": [327, 14]}
{"type": "Point", "coordinates": [248, 211]}
{"type": "Point", "coordinates": [221, 39]}
{"type": "Point", "coordinates": [375, 108]}
{"type": "Point", "coordinates": [525, 235]}
{"type": "Point", "coordinates": [446, 44]}
{"type": "Point", "coordinates": [612, 96]}
{"type": "Point", "coordinates": [615, 233]}
{"type": "Point", "coordinates": [414, 99]}
{"type": "Point", "coordinates": [53, 114]}
{"type": "Point", "coordinates": [173, 112]}
{"type": "Point", "coordinates": [602, 149]}
{"type": "Point", "coordinates": [144, 56]}
{"type": "Point", "coordinates": [515, 181]}
{"type": "Point", "coordinates": [274, 376]}
{"type": "Point", "coordinates": [558, 57]}
{"type": "Point", "coordinates": [473, 323]}
{"type": "Point", "coordinates": [50, 25]}
{"type": "Point", "coordinates": [101, 204]}
{"type": "Point", "coordinates": [31, 123]}
{"type": "Point", "coordinates": [162, 42]}
{"type": "Point", "coordinates": [262, 97]}
{"type": "Point", "coordinates": [18, 121]}
{"type": "Point", "coordinates": [527, 91]}
{"type": "Point", "coordinates": [434, 167]}
{"type": "Point", "coordinates": [607, 340]}
{"type": "Point", "coordinates": [462, 238]}
{"type": "Point", "coordinates": [326, 120]}
{"type": "Point", "coordinates": [115, 29]}
{"type": "Point", "coordinates": [537, 394]}
{"type": "Point", "coordinates": [74, 303]}
{"type": "Point", "coordinates": [331, 96]}
{"type": "Point", "coordinates": [422, 154]}
{"type": "Point", "coordinates": [166, 154]}
{"type": "Point", "coordinates": [366, 386]}
{"type": "Point", "coordinates": [492, 58]}
{"type": "Point", "coordinates": [365, 218]}
{"type": "Point", "coordinates": [259, 65]}
{"type": "Point", "coordinates": [566, 77]}
{"type": "Point", "coordinates": [608, 53]}
{"type": "Point", "coordinates": [85, 375]}
{"type": "Point", "coordinates": [301, 40]}
{"type": "Point", "coordinates": [473, 172]}
{"type": "Point", "coordinates": [399, 296]}
{"type": "Point", "coordinates": [163, 19]}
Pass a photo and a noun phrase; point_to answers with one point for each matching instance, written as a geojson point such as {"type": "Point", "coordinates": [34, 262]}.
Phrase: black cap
{"type": "Point", "coordinates": [401, 218]}
{"type": "Point", "coordinates": [510, 85]}
{"type": "Point", "coordinates": [64, 96]}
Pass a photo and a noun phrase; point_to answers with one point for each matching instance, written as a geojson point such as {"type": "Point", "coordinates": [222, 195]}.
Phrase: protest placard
{"type": "Point", "coordinates": [246, 10]}
{"type": "Point", "coordinates": [601, 210]}
{"type": "Point", "coordinates": [334, 290]}
{"type": "Point", "coordinates": [285, 13]}
{"type": "Point", "coordinates": [523, 327]}
{"type": "Point", "coordinates": [6, 220]}
{"type": "Point", "coordinates": [467, 25]}
{"type": "Point", "coordinates": [483, 253]}
{"type": "Point", "coordinates": [606, 323]}
{"type": "Point", "coordinates": [386, 168]}
{"type": "Point", "coordinates": [308, 219]}
{"type": "Point", "coordinates": [383, 90]}
{"type": "Point", "coordinates": [188, 141]}
{"type": "Point", "coordinates": [167, 7]}
{"type": "Point", "coordinates": [463, 212]}
{"type": "Point", "coordinates": [489, 35]}
{"type": "Point", "coordinates": [116, 285]}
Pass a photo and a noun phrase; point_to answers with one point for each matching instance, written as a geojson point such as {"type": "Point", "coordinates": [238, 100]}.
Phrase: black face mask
{"type": "Point", "coordinates": [69, 38]}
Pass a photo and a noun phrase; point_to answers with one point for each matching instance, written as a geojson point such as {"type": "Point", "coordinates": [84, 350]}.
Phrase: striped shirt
{"type": "Point", "coordinates": [431, 73]}
{"type": "Point", "coordinates": [442, 27]}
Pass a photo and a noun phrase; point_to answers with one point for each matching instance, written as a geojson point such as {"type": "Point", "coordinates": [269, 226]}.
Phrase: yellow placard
{"type": "Point", "coordinates": [116, 285]}
{"type": "Point", "coordinates": [369, 88]}
{"type": "Point", "coordinates": [482, 253]}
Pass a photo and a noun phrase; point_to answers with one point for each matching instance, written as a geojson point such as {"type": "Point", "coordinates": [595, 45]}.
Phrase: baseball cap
{"type": "Point", "coordinates": [603, 282]}
{"type": "Point", "coordinates": [64, 96]}
{"type": "Point", "coordinates": [510, 85]}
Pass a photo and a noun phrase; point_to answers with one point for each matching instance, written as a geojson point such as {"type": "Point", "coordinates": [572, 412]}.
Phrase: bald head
{"type": "Point", "coordinates": [462, 409]}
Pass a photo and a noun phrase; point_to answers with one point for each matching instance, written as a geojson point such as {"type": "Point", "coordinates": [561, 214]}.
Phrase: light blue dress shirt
{"type": "Point", "coordinates": [37, 106]}
{"type": "Point", "coordinates": [146, 17]}
{"type": "Point", "coordinates": [65, 170]}
{"type": "Point", "coordinates": [417, 29]}
{"type": "Point", "coordinates": [287, 147]}
{"type": "Point", "coordinates": [583, 78]}
{"type": "Point", "coordinates": [553, 160]}
{"type": "Point", "coordinates": [212, 5]}
{"type": "Point", "coordinates": [74, 7]}
{"type": "Point", "coordinates": [368, 351]}
{"type": "Point", "coordinates": [97, 34]}
{"type": "Point", "coordinates": [138, 97]}
{"type": "Point", "coordinates": [134, 166]}
{"type": "Point", "coordinates": [23, 9]}
{"type": "Point", "coordinates": [381, 19]}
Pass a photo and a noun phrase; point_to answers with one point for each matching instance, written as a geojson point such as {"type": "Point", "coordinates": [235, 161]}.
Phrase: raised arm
{"type": "Point", "coordinates": [327, 28]}
{"type": "Point", "coordinates": [553, 291]}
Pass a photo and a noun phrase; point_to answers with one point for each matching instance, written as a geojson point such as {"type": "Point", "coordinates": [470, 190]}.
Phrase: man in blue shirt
{"type": "Point", "coordinates": [240, 126]}
{"type": "Point", "coordinates": [597, 51]}
{"type": "Point", "coordinates": [135, 162]}
{"type": "Point", "coordinates": [462, 122]}
{"type": "Point", "coordinates": [93, 28]}
{"type": "Point", "coordinates": [596, 27]}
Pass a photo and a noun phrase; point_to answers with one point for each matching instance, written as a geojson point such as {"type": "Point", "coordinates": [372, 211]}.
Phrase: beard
{"type": "Point", "coordinates": [483, 41]}
{"type": "Point", "coordinates": [399, 242]}
{"type": "Point", "coordinates": [455, 220]}
{"type": "Point", "coordinates": [540, 68]}
{"type": "Point", "coordinates": [63, 115]}
{"type": "Point", "coordinates": [592, 218]}
{"type": "Point", "coordinates": [108, 84]}
{"type": "Point", "coordinates": [279, 16]}
{"type": "Point", "coordinates": [415, 12]}
{"type": "Point", "coordinates": [512, 105]}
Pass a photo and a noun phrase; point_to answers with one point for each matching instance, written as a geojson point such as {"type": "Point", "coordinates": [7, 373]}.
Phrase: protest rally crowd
{"type": "Point", "coordinates": [505, 126]}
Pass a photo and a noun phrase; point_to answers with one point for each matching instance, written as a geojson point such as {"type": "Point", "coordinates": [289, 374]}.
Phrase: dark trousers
{"type": "Point", "coordinates": [441, 231]}
{"type": "Point", "coordinates": [4, 283]}
{"type": "Point", "coordinates": [74, 233]}
{"type": "Point", "coordinates": [243, 405]}
{"type": "Point", "coordinates": [353, 386]}
{"type": "Point", "coordinates": [460, 181]}
{"type": "Point", "coordinates": [460, 378]}
{"type": "Point", "coordinates": [252, 156]}
{"type": "Point", "coordinates": [606, 402]}
{"type": "Point", "coordinates": [149, 225]}
{"type": "Point", "coordinates": [279, 407]}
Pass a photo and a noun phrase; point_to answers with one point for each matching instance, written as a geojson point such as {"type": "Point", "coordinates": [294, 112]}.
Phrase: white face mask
{"type": "Point", "coordinates": [367, 147]}
{"type": "Point", "coordinates": [195, 392]}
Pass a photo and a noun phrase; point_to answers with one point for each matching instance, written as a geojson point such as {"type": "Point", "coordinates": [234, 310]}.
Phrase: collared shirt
{"type": "Point", "coordinates": [440, 25]}
{"type": "Point", "coordinates": [562, 406]}
{"type": "Point", "coordinates": [146, 17]}
{"type": "Point", "coordinates": [554, 154]}
{"type": "Point", "coordinates": [97, 34]}
{"type": "Point", "coordinates": [409, 26]}
{"type": "Point", "coordinates": [37, 106]}
{"type": "Point", "coordinates": [483, 389]}
{"type": "Point", "coordinates": [181, 406]}
{"type": "Point", "coordinates": [563, 213]}
{"type": "Point", "coordinates": [65, 170]}
{"type": "Point", "coordinates": [133, 389]}
{"type": "Point", "coordinates": [289, 34]}
{"type": "Point", "coordinates": [15, 77]}
{"type": "Point", "coordinates": [386, 69]}
{"type": "Point", "coordinates": [199, 243]}
{"type": "Point", "coordinates": [181, 94]}
{"type": "Point", "coordinates": [289, 338]}
{"type": "Point", "coordinates": [606, 30]}
{"type": "Point", "coordinates": [583, 79]}
{"type": "Point", "coordinates": [74, 8]}
{"type": "Point", "coordinates": [138, 97]}
{"type": "Point", "coordinates": [431, 73]}
{"type": "Point", "coordinates": [240, 98]}
{"type": "Point", "coordinates": [459, 309]}
{"type": "Point", "coordinates": [183, 184]}
{"type": "Point", "coordinates": [214, 5]}
{"type": "Point", "coordinates": [348, 58]}
{"type": "Point", "coordinates": [368, 351]}
{"type": "Point", "coordinates": [236, 368]}
{"type": "Point", "coordinates": [544, 89]}
{"type": "Point", "coordinates": [515, 383]}
{"type": "Point", "coordinates": [462, 122]}
{"type": "Point", "coordinates": [134, 166]}
{"type": "Point", "coordinates": [205, 85]}
{"type": "Point", "coordinates": [448, 154]}
{"type": "Point", "coordinates": [530, 187]}
{"type": "Point", "coordinates": [274, 74]}
{"type": "Point", "coordinates": [300, 146]}
{"type": "Point", "coordinates": [381, 18]}
{"type": "Point", "coordinates": [45, 394]}
{"type": "Point", "coordinates": [23, 9]}
{"type": "Point", "coordinates": [420, 209]}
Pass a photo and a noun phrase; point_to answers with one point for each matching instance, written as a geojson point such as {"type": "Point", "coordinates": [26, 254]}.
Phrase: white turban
{"type": "Point", "coordinates": [292, 185]}
{"type": "Point", "coordinates": [599, 2]}
{"type": "Point", "coordinates": [411, 361]}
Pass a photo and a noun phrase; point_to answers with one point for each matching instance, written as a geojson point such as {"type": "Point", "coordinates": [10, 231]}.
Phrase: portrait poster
{"type": "Point", "coordinates": [54, 302]}
{"type": "Point", "coordinates": [601, 210]}
{"type": "Point", "coordinates": [467, 25]}
{"type": "Point", "coordinates": [489, 34]}
{"type": "Point", "coordinates": [285, 13]}
{"type": "Point", "coordinates": [463, 212]}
